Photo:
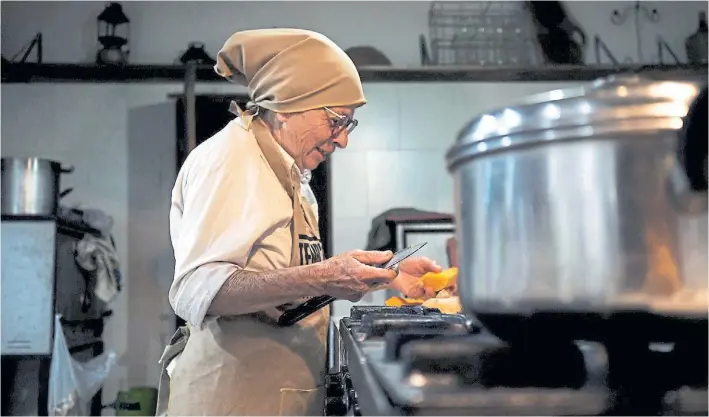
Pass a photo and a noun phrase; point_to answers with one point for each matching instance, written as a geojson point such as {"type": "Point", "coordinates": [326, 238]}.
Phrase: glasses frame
{"type": "Point", "coordinates": [344, 122]}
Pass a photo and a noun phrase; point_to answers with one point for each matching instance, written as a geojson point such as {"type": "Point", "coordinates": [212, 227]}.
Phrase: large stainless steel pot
{"type": "Point", "coordinates": [30, 186]}
{"type": "Point", "coordinates": [574, 202]}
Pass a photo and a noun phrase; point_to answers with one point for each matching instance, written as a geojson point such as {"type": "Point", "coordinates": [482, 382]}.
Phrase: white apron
{"type": "Point", "coordinates": [247, 365]}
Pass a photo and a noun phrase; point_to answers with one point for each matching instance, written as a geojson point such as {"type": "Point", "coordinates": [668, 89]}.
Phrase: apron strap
{"type": "Point", "coordinates": [289, 177]}
{"type": "Point", "coordinates": [175, 347]}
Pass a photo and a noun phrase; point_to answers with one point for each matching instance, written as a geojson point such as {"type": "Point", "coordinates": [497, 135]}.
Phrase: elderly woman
{"type": "Point", "coordinates": [244, 229]}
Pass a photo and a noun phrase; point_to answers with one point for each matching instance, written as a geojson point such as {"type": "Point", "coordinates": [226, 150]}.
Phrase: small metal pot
{"type": "Point", "coordinates": [30, 186]}
{"type": "Point", "coordinates": [578, 201]}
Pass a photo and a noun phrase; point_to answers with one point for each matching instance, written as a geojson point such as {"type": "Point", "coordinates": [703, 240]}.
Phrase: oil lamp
{"type": "Point", "coordinates": [113, 27]}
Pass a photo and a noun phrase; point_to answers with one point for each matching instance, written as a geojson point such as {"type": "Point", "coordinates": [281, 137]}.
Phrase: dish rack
{"type": "Point", "coordinates": [481, 33]}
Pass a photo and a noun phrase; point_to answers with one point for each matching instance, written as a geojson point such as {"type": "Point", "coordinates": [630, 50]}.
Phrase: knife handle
{"type": "Point", "coordinates": [290, 317]}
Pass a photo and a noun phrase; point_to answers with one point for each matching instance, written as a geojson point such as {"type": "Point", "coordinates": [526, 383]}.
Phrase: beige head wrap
{"type": "Point", "coordinates": [290, 70]}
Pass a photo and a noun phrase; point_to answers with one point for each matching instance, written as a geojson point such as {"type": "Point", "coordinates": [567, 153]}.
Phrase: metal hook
{"type": "Point", "coordinates": [618, 17]}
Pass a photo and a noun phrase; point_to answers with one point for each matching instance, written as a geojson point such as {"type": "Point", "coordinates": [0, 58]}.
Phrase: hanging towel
{"type": "Point", "coordinates": [97, 255]}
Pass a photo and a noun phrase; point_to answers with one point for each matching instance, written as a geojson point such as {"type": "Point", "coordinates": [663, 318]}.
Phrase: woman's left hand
{"type": "Point", "coordinates": [410, 271]}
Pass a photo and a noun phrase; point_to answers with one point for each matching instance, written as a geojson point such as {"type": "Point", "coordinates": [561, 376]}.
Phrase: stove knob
{"type": "Point", "coordinates": [348, 380]}
{"type": "Point", "coordinates": [354, 403]}
{"type": "Point", "coordinates": [335, 407]}
{"type": "Point", "coordinates": [334, 385]}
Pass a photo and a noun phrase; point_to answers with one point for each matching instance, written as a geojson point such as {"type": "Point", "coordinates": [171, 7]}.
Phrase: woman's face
{"type": "Point", "coordinates": [314, 134]}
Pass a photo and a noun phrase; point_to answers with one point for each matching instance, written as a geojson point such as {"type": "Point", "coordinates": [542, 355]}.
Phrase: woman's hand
{"type": "Point", "coordinates": [410, 271]}
{"type": "Point", "coordinates": [351, 275]}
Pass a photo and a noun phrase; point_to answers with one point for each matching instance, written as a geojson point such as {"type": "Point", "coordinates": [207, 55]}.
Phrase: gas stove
{"type": "Point", "coordinates": [418, 361]}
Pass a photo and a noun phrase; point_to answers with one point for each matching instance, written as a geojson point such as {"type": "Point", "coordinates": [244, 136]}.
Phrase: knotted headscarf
{"type": "Point", "coordinates": [289, 70]}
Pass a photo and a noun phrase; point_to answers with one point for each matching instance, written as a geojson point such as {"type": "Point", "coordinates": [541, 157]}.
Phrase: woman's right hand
{"type": "Point", "coordinates": [350, 276]}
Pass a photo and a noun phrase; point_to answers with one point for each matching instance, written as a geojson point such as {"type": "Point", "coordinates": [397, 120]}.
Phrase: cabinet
{"type": "Point", "coordinates": [25, 378]}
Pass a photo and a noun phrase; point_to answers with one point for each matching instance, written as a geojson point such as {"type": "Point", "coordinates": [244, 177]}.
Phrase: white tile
{"type": "Point", "coordinates": [438, 169]}
{"type": "Point", "coordinates": [473, 99]}
{"type": "Point", "coordinates": [432, 115]}
{"type": "Point", "coordinates": [348, 182]}
{"type": "Point", "coordinates": [349, 233]}
{"type": "Point", "coordinates": [378, 127]}
{"type": "Point", "coordinates": [425, 115]}
{"type": "Point", "coordinates": [435, 246]}
{"type": "Point", "coordinates": [403, 179]}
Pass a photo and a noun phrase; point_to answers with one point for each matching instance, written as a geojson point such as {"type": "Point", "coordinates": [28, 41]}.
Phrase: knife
{"type": "Point", "coordinates": [294, 315]}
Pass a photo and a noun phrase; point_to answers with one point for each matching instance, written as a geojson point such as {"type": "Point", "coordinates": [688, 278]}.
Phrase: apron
{"type": "Point", "coordinates": [247, 365]}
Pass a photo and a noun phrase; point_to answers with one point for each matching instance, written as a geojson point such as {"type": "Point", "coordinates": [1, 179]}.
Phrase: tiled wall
{"type": "Point", "coordinates": [396, 156]}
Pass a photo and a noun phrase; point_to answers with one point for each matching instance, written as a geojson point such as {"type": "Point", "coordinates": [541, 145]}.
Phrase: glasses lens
{"type": "Point", "coordinates": [342, 122]}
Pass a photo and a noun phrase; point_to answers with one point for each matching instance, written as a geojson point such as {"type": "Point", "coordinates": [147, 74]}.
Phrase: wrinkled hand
{"type": "Point", "coordinates": [410, 271]}
{"type": "Point", "coordinates": [350, 275]}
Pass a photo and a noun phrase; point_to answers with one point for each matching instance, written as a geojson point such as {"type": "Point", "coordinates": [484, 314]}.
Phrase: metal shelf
{"type": "Point", "coordinates": [90, 73]}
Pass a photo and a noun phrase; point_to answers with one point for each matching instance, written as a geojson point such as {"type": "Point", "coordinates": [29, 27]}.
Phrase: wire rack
{"type": "Point", "coordinates": [485, 33]}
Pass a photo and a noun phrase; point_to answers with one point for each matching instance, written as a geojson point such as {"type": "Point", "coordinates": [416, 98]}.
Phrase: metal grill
{"type": "Point", "coordinates": [485, 33]}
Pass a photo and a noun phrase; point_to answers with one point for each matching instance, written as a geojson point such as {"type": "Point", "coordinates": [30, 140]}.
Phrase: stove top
{"type": "Point", "coordinates": [417, 361]}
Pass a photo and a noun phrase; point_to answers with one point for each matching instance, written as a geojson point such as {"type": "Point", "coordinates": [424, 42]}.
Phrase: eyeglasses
{"type": "Point", "coordinates": [341, 123]}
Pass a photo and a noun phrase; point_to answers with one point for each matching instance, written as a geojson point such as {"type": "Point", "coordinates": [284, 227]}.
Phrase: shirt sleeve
{"type": "Point", "coordinates": [215, 217]}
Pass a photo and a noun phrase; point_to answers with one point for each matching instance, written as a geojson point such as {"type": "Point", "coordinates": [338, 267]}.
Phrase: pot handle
{"type": "Point", "coordinates": [692, 149]}
{"type": "Point", "coordinates": [67, 169]}
{"type": "Point", "coordinates": [688, 179]}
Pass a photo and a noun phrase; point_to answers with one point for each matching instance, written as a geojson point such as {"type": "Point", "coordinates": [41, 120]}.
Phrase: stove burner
{"type": "Point", "coordinates": [375, 325]}
{"type": "Point", "coordinates": [415, 361]}
{"type": "Point", "coordinates": [489, 363]}
{"type": "Point", "coordinates": [396, 341]}
{"type": "Point", "coordinates": [357, 312]}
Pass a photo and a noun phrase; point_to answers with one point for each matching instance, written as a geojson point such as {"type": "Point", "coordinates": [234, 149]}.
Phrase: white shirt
{"type": "Point", "coordinates": [228, 212]}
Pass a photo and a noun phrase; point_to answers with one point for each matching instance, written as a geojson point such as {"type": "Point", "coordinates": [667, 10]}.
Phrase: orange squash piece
{"type": "Point", "coordinates": [449, 305]}
{"type": "Point", "coordinates": [397, 301]}
{"type": "Point", "coordinates": [440, 280]}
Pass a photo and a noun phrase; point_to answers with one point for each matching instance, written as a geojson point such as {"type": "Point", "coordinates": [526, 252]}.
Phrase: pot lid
{"type": "Point", "coordinates": [617, 104]}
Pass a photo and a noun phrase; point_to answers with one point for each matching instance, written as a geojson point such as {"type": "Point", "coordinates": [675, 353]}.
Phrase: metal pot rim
{"type": "Point", "coordinates": [619, 104]}
{"type": "Point", "coordinates": [630, 129]}
{"type": "Point", "coordinates": [54, 164]}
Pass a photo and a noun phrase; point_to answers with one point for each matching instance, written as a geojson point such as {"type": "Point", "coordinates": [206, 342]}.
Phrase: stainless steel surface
{"type": "Point", "coordinates": [30, 186]}
{"type": "Point", "coordinates": [371, 398]}
{"type": "Point", "coordinates": [414, 368]}
{"type": "Point", "coordinates": [333, 348]}
{"type": "Point", "coordinates": [27, 261]}
{"type": "Point", "coordinates": [565, 203]}
{"type": "Point", "coordinates": [190, 105]}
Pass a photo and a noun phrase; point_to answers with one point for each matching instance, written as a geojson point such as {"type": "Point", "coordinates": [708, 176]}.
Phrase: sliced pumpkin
{"type": "Point", "coordinates": [440, 280]}
{"type": "Point", "coordinates": [450, 305]}
{"type": "Point", "coordinates": [397, 301]}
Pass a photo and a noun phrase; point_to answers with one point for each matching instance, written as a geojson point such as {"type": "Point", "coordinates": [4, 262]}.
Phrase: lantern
{"type": "Point", "coordinates": [112, 29]}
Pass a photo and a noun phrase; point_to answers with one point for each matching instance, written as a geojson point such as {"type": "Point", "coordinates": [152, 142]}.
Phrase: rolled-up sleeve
{"type": "Point", "coordinates": [216, 215]}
